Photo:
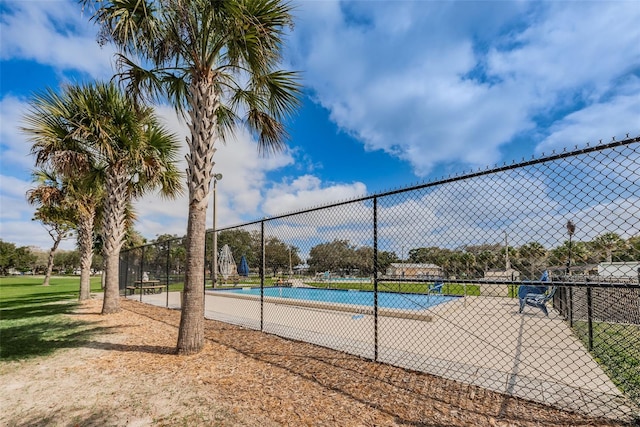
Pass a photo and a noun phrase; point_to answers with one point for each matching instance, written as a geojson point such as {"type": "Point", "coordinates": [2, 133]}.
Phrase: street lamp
{"type": "Point", "coordinates": [571, 229]}
{"type": "Point", "coordinates": [290, 267]}
{"type": "Point", "coordinates": [214, 271]}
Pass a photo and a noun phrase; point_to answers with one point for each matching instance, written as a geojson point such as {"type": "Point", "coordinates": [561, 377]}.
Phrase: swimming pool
{"type": "Point", "coordinates": [392, 300]}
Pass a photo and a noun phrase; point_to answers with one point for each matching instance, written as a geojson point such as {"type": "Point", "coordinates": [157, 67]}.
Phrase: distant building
{"type": "Point", "coordinates": [416, 271]}
{"type": "Point", "coordinates": [301, 268]}
{"type": "Point", "coordinates": [629, 270]}
{"type": "Point", "coordinates": [493, 290]}
{"type": "Point", "coordinates": [508, 275]}
{"type": "Point", "coordinates": [575, 270]}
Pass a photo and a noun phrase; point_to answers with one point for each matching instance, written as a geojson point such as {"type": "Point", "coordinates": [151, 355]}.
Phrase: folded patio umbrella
{"type": "Point", "coordinates": [243, 268]}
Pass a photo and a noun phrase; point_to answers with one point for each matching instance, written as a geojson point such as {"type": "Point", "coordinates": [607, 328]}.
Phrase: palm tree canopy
{"type": "Point", "coordinates": [231, 46]}
{"type": "Point", "coordinates": [91, 128]}
{"type": "Point", "coordinates": [52, 196]}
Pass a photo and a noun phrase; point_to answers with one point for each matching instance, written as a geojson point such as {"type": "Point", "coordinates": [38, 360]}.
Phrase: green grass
{"type": "Point", "coordinates": [407, 287]}
{"type": "Point", "coordinates": [175, 287]}
{"type": "Point", "coordinates": [32, 321]}
{"type": "Point", "coordinates": [616, 347]}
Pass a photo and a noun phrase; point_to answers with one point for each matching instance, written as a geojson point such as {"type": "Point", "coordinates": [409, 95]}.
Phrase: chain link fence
{"type": "Point", "coordinates": [521, 279]}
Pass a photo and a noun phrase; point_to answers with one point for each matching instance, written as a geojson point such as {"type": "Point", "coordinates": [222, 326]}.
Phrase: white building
{"type": "Point", "coordinates": [508, 275]}
{"type": "Point", "coordinates": [619, 270]}
{"type": "Point", "coordinates": [414, 270]}
{"type": "Point", "coordinates": [494, 290]}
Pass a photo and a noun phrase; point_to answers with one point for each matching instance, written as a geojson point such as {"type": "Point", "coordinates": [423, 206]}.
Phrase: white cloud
{"type": "Point", "coordinates": [405, 94]}
{"type": "Point", "coordinates": [54, 33]}
{"type": "Point", "coordinates": [31, 233]}
{"type": "Point", "coordinates": [524, 204]}
{"type": "Point", "coordinates": [401, 78]}
{"type": "Point", "coordinates": [569, 48]}
{"type": "Point", "coordinates": [307, 191]}
{"type": "Point", "coordinates": [615, 118]}
{"type": "Point", "coordinates": [14, 148]}
{"type": "Point", "coordinates": [13, 193]}
{"type": "Point", "coordinates": [469, 212]}
{"type": "Point", "coordinates": [239, 192]}
{"type": "Point", "coordinates": [16, 225]}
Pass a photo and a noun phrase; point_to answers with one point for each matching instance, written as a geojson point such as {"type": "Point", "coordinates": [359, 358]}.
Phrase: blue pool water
{"type": "Point", "coordinates": [385, 299]}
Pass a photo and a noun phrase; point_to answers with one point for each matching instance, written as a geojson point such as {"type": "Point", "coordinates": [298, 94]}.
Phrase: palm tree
{"type": "Point", "coordinates": [87, 201]}
{"type": "Point", "coordinates": [53, 211]}
{"type": "Point", "coordinates": [533, 255]}
{"type": "Point", "coordinates": [487, 259]}
{"type": "Point", "coordinates": [560, 255]}
{"type": "Point", "coordinates": [608, 243]}
{"type": "Point", "coordinates": [217, 61]}
{"type": "Point", "coordinates": [48, 124]}
{"type": "Point", "coordinates": [96, 128]}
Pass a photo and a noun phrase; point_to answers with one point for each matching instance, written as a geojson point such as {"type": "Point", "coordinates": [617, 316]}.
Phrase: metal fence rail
{"type": "Point", "coordinates": [428, 278]}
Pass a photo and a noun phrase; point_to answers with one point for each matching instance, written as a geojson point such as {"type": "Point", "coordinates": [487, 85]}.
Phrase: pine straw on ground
{"type": "Point", "coordinates": [127, 373]}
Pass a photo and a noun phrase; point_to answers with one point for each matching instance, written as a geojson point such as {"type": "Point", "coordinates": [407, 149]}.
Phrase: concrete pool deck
{"type": "Point", "coordinates": [482, 341]}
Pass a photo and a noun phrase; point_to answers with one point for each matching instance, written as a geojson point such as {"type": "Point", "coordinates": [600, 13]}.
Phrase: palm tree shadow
{"type": "Point", "coordinates": [149, 349]}
{"type": "Point", "coordinates": [25, 341]}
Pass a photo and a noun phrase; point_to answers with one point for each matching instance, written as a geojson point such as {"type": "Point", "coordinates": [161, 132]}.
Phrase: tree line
{"type": "Point", "coordinates": [530, 258]}
{"type": "Point", "coordinates": [169, 251]}
{"type": "Point", "coordinates": [30, 260]}
{"type": "Point", "coordinates": [344, 258]}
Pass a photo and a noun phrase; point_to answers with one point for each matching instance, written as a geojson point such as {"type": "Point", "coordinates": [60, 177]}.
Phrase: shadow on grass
{"type": "Point", "coordinates": [41, 298]}
{"type": "Point", "coordinates": [37, 307]}
{"type": "Point", "coordinates": [32, 339]}
{"type": "Point", "coordinates": [38, 327]}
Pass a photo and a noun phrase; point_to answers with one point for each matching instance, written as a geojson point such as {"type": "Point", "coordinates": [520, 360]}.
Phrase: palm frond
{"type": "Point", "coordinates": [281, 90]}
{"type": "Point", "coordinates": [131, 24]}
{"type": "Point", "coordinates": [138, 82]}
{"type": "Point", "coordinates": [261, 24]}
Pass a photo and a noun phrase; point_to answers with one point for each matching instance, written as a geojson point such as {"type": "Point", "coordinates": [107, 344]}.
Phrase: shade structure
{"type": "Point", "coordinates": [243, 268]}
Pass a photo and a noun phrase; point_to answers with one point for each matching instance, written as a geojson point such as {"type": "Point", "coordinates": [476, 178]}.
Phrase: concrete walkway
{"type": "Point", "coordinates": [476, 340]}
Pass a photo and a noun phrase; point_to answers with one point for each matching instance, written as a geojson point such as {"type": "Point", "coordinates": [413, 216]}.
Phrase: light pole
{"type": "Point", "coordinates": [290, 267]}
{"type": "Point", "coordinates": [571, 229]}
{"type": "Point", "coordinates": [214, 271]}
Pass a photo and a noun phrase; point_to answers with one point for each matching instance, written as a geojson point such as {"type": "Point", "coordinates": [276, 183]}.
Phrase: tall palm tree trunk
{"type": "Point", "coordinates": [111, 300]}
{"type": "Point", "coordinates": [199, 171]}
{"type": "Point", "coordinates": [191, 333]}
{"type": "Point", "coordinates": [114, 223]}
{"type": "Point", "coordinates": [85, 242]}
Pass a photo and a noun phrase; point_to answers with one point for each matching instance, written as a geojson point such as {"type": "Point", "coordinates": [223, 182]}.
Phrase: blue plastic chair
{"type": "Point", "coordinates": [435, 288]}
{"type": "Point", "coordinates": [536, 295]}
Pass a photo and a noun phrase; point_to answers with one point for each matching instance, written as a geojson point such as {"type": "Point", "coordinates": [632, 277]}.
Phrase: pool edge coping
{"type": "Point", "coordinates": [349, 308]}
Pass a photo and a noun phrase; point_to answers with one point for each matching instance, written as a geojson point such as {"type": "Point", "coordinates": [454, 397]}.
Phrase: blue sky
{"type": "Point", "coordinates": [396, 92]}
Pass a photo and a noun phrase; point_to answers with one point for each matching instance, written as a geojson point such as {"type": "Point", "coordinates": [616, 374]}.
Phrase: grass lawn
{"type": "Point", "coordinates": [31, 315]}
{"type": "Point", "coordinates": [617, 348]}
{"type": "Point", "coordinates": [407, 287]}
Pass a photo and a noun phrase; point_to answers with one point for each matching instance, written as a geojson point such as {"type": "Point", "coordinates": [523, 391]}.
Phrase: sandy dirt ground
{"type": "Point", "coordinates": [126, 373]}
